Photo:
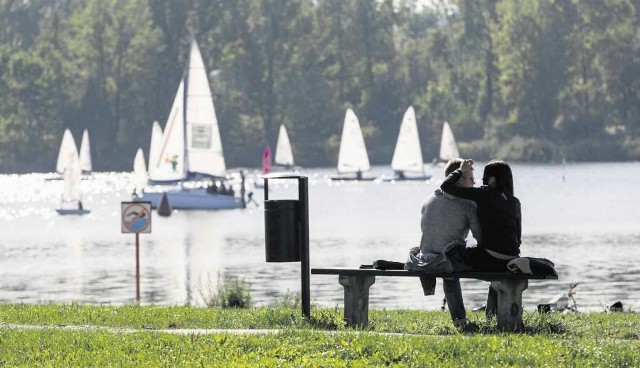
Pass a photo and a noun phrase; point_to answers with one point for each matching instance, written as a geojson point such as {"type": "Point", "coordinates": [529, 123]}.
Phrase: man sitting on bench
{"type": "Point", "coordinates": [446, 220]}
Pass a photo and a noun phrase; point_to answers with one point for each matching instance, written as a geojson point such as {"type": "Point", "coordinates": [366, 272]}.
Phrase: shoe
{"type": "Point", "coordinates": [465, 326]}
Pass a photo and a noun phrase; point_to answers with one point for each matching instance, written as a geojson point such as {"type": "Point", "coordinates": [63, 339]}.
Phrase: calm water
{"type": "Point", "coordinates": [584, 217]}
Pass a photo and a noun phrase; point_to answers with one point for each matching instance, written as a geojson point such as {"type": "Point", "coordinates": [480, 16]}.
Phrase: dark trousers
{"type": "Point", "coordinates": [453, 295]}
{"type": "Point", "coordinates": [480, 260]}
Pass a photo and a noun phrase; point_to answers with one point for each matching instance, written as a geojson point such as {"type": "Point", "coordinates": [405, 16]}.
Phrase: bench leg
{"type": "Point", "coordinates": [356, 299]}
{"type": "Point", "coordinates": [510, 303]}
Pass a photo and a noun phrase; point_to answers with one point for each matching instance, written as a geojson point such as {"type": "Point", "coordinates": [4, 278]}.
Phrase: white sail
{"type": "Point", "coordinates": [448, 146]}
{"type": "Point", "coordinates": [85, 153]}
{"type": "Point", "coordinates": [204, 146]}
{"type": "Point", "coordinates": [140, 177]}
{"type": "Point", "coordinates": [67, 147]}
{"type": "Point", "coordinates": [155, 144]}
{"type": "Point", "coordinates": [72, 179]}
{"type": "Point", "coordinates": [156, 171]}
{"type": "Point", "coordinates": [190, 145]}
{"type": "Point", "coordinates": [203, 152]}
{"type": "Point", "coordinates": [169, 163]}
{"type": "Point", "coordinates": [284, 154]}
{"type": "Point", "coordinates": [407, 155]}
{"type": "Point", "coordinates": [353, 153]}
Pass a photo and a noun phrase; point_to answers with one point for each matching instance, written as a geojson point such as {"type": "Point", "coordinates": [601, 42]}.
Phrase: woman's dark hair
{"type": "Point", "coordinates": [502, 172]}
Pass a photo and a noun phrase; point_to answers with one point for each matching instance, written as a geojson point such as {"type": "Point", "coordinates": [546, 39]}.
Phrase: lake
{"type": "Point", "coordinates": [584, 217]}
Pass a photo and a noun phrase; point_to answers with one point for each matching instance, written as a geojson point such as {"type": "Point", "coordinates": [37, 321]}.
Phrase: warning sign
{"type": "Point", "coordinates": [136, 217]}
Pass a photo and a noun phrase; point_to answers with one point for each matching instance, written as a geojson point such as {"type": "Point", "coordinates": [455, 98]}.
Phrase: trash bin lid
{"type": "Point", "coordinates": [286, 175]}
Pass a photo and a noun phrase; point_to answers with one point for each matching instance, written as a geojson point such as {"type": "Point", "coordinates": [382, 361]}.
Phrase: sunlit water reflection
{"type": "Point", "coordinates": [584, 217]}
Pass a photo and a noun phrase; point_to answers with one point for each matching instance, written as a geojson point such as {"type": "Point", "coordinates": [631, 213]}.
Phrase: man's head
{"type": "Point", "coordinates": [466, 181]}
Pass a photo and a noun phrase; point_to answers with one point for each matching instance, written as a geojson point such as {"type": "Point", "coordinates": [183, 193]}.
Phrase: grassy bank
{"type": "Point", "coordinates": [424, 339]}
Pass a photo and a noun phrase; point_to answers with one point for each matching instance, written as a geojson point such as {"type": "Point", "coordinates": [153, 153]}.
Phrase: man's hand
{"type": "Point", "coordinates": [467, 166]}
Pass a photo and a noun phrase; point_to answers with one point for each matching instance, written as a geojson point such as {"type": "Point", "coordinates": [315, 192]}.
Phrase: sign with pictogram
{"type": "Point", "coordinates": [136, 217]}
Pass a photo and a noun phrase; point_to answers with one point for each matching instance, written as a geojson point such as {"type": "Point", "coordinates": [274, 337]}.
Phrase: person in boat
{"type": "Point", "coordinates": [445, 223]}
{"type": "Point", "coordinates": [213, 188]}
{"type": "Point", "coordinates": [80, 205]}
{"type": "Point", "coordinates": [223, 188]}
{"type": "Point", "coordinates": [400, 175]}
{"type": "Point", "coordinates": [359, 174]}
{"type": "Point", "coordinates": [499, 213]}
{"type": "Point", "coordinates": [173, 160]}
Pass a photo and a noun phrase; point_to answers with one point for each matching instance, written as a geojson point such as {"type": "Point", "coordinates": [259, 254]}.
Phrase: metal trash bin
{"type": "Point", "coordinates": [282, 230]}
{"type": "Point", "coordinates": [286, 224]}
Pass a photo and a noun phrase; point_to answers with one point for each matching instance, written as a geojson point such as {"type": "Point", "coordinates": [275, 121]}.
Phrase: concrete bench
{"type": "Point", "coordinates": [356, 283]}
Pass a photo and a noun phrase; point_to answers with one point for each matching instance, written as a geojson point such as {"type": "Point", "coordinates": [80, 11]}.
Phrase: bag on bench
{"type": "Point", "coordinates": [382, 264]}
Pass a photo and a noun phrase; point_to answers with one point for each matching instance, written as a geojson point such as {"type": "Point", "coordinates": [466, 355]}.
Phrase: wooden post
{"type": "Point", "coordinates": [138, 268]}
{"type": "Point", "coordinates": [510, 304]}
{"type": "Point", "coordinates": [356, 299]}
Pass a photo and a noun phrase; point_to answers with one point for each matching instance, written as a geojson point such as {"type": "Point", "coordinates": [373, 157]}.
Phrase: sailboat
{"type": "Point", "coordinates": [71, 203]}
{"type": "Point", "coordinates": [266, 168]}
{"type": "Point", "coordinates": [85, 153]}
{"type": "Point", "coordinates": [407, 156]}
{"type": "Point", "coordinates": [352, 157]}
{"type": "Point", "coordinates": [190, 153]}
{"type": "Point", "coordinates": [140, 176]}
{"type": "Point", "coordinates": [448, 146]}
{"type": "Point", "coordinates": [284, 154]}
{"type": "Point", "coordinates": [266, 160]}
{"type": "Point", "coordinates": [67, 148]}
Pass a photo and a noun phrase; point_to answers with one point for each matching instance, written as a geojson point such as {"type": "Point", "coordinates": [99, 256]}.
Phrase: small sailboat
{"type": "Point", "coordinates": [284, 153]}
{"type": "Point", "coordinates": [190, 152]}
{"type": "Point", "coordinates": [448, 145]}
{"type": "Point", "coordinates": [71, 203]}
{"type": "Point", "coordinates": [352, 157]}
{"type": "Point", "coordinates": [67, 148]}
{"type": "Point", "coordinates": [407, 161]}
{"type": "Point", "coordinates": [266, 160]}
{"type": "Point", "coordinates": [85, 153]}
{"type": "Point", "coordinates": [140, 176]}
{"type": "Point", "coordinates": [266, 168]}
{"type": "Point", "coordinates": [283, 159]}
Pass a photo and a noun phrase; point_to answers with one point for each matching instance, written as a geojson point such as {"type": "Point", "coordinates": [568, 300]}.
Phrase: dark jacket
{"type": "Point", "coordinates": [499, 215]}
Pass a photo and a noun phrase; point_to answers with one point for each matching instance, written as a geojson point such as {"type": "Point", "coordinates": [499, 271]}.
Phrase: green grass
{"type": "Point", "coordinates": [425, 339]}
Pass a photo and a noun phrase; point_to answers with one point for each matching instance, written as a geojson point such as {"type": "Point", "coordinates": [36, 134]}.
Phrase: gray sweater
{"type": "Point", "coordinates": [447, 219]}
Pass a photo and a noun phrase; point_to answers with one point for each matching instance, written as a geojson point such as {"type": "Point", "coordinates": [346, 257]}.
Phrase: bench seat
{"type": "Point", "coordinates": [356, 282]}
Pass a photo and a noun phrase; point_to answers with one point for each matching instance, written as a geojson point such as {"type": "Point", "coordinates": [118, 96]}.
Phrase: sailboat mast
{"type": "Point", "coordinates": [184, 111]}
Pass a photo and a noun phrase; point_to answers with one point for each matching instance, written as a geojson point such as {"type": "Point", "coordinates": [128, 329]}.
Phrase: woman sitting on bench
{"type": "Point", "coordinates": [499, 215]}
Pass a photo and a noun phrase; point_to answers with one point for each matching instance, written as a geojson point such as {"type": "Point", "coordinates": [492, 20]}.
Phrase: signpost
{"type": "Point", "coordinates": [136, 218]}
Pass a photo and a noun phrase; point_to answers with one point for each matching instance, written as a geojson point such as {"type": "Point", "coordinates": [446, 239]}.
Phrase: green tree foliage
{"type": "Point", "coordinates": [535, 80]}
{"type": "Point", "coordinates": [114, 44]}
{"type": "Point", "coordinates": [532, 48]}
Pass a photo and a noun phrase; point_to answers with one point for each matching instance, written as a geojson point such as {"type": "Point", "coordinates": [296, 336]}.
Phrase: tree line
{"type": "Point", "coordinates": [535, 80]}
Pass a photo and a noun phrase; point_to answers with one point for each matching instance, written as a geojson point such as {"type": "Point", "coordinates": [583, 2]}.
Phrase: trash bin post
{"type": "Point", "coordinates": [303, 197]}
{"type": "Point", "coordinates": [266, 189]}
{"type": "Point", "coordinates": [287, 231]}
